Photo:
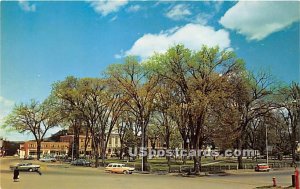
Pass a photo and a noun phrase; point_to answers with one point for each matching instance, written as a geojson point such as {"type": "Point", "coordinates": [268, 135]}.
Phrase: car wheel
{"type": "Point", "coordinates": [30, 170]}
{"type": "Point", "coordinates": [125, 172]}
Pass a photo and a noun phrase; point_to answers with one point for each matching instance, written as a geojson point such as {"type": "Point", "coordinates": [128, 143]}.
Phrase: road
{"type": "Point", "coordinates": [61, 176]}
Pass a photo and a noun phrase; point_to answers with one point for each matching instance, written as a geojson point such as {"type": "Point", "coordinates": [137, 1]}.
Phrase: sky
{"type": "Point", "coordinates": [44, 42]}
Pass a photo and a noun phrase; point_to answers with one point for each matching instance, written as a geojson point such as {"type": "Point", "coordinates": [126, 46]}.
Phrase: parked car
{"type": "Point", "coordinates": [119, 168]}
{"type": "Point", "coordinates": [28, 158]}
{"type": "Point", "coordinates": [67, 160]}
{"type": "Point", "coordinates": [47, 159]}
{"type": "Point", "coordinates": [262, 167]}
{"type": "Point", "coordinates": [81, 162]}
{"type": "Point", "coordinates": [25, 167]}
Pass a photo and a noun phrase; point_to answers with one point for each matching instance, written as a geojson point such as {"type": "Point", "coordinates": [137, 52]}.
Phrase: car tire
{"type": "Point", "coordinates": [30, 170]}
{"type": "Point", "coordinates": [125, 172]}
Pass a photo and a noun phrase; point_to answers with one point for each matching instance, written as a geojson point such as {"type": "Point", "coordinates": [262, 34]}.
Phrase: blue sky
{"type": "Point", "coordinates": [43, 42]}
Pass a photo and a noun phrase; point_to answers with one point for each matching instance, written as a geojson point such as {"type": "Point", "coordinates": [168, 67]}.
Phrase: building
{"type": "Point", "coordinates": [47, 148]}
{"type": "Point", "coordinates": [65, 145]}
{"type": "Point", "coordinates": [70, 138]}
{"type": "Point", "coordinates": [113, 144]}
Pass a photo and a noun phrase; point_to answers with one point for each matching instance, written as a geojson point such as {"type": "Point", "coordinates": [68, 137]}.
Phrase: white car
{"type": "Point", "coordinates": [47, 159]}
{"type": "Point", "coordinates": [25, 167]}
{"type": "Point", "coordinates": [119, 168]}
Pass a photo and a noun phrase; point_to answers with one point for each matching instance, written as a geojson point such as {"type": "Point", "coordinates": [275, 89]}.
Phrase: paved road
{"type": "Point", "coordinates": [57, 177]}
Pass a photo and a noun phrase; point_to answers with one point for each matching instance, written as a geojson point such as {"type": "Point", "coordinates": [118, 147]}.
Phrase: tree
{"type": "Point", "coordinates": [68, 98]}
{"type": "Point", "coordinates": [252, 100]}
{"type": "Point", "coordinates": [133, 80]}
{"type": "Point", "coordinates": [290, 111]}
{"type": "Point", "coordinates": [163, 122]}
{"type": "Point", "coordinates": [34, 118]}
{"type": "Point", "coordinates": [92, 102]}
{"type": "Point", "coordinates": [124, 125]}
{"type": "Point", "coordinates": [200, 79]}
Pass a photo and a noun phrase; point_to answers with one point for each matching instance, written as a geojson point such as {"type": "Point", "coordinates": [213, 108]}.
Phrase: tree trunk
{"type": "Point", "coordinates": [185, 146]}
{"type": "Point", "coordinates": [121, 150]}
{"type": "Point", "coordinates": [240, 158]}
{"type": "Point", "coordinates": [96, 157]}
{"type": "Point", "coordinates": [145, 145]}
{"type": "Point", "coordinates": [197, 157]}
{"type": "Point", "coordinates": [95, 149]}
{"type": "Point", "coordinates": [145, 164]}
{"type": "Point", "coordinates": [86, 142]}
{"type": "Point", "coordinates": [103, 149]}
{"type": "Point", "coordinates": [38, 149]}
{"type": "Point", "coordinates": [76, 144]}
{"type": "Point", "coordinates": [168, 147]}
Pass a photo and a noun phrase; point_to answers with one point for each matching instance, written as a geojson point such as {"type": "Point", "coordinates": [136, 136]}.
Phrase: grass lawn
{"type": "Point", "coordinates": [160, 164]}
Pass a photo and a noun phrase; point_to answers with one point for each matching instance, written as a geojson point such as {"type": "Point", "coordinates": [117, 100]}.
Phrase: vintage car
{"type": "Point", "coordinates": [262, 167]}
{"type": "Point", "coordinates": [28, 158]}
{"type": "Point", "coordinates": [47, 159]}
{"type": "Point", "coordinates": [119, 168]}
{"type": "Point", "coordinates": [81, 162]}
{"type": "Point", "coordinates": [25, 167]}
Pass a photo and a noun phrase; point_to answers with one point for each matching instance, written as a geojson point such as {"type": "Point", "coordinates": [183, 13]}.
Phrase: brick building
{"type": "Point", "coordinates": [69, 139]}
{"type": "Point", "coordinates": [47, 148]}
{"type": "Point", "coordinates": [112, 147]}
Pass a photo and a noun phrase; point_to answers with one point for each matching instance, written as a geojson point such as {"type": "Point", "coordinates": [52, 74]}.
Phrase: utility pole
{"type": "Point", "coordinates": [267, 144]}
{"type": "Point", "coordinates": [142, 147]}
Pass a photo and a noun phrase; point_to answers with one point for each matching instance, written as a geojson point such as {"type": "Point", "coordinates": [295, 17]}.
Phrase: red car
{"type": "Point", "coordinates": [262, 167]}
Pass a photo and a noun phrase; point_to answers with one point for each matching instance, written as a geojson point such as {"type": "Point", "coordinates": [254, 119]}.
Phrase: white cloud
{"type": "Point", "coordinates": [106, 7]}
{"type": "Point", "coordinates": [26, 6]}
{"type": "Point", "coordinates": [134, 8]}
{"type": "Point", "coordinates": [193, 36]}
{"type": "Point", "coordinates": [256, 20]}
{"type": "Point", "coordinates": [201, 18]}
{"type": "Point", "coordinates": [178, 12]}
